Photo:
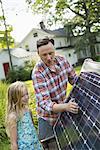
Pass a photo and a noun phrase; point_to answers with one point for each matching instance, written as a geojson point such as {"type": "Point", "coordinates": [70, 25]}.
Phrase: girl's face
{"type": "Point", "coordinates": [25, 96]}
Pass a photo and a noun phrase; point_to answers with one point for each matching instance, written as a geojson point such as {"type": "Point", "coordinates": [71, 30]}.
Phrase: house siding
{"type": "Point", "coordinates": [16, 61]}
{"type": "Point", "coordinates": [4, 58]}
{"type": "Point", "coordinates": [30, 40]}
{"type": "Point", "coordinates": [69, 54]}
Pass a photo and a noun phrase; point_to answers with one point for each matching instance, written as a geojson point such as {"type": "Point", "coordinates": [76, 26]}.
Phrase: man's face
{"type": "Point", "coordinates": [47, 54]}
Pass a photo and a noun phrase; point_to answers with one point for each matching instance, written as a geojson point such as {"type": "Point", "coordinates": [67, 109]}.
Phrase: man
{"type": "Point", "coordinates": [50, 78]}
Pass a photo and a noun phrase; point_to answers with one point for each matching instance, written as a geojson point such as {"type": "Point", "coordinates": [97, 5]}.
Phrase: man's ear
{"type": "Point", "coordinates": [38, 51]}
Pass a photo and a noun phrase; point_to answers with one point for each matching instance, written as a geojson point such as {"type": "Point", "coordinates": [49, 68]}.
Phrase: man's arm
{"type": "Point", "coordinates": [68, 107]}
{"type": "Point", "coordinates": [44, 99]}
{"type": "Point", "coordinates": [42, 93]}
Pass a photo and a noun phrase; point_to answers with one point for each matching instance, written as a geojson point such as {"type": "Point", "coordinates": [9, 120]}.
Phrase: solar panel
{"type": "Point", "coordinates": [82, 131]}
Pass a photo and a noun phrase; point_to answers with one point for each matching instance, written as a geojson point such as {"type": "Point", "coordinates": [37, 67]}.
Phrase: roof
{"type": "Point", "coordinates": [58, 32]}
{"type": "Point", "coordinates": [20, 53]}
{"type": "Point", "coordinates": [65, 47]}
{"type": "Point", "coordinates": [31, 31]}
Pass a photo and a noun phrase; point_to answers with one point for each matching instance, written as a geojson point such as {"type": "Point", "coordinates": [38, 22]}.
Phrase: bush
{"type": "Point", "coordinates": [21, 73]}
{"type": "Point", "coordinates": [97, 58]}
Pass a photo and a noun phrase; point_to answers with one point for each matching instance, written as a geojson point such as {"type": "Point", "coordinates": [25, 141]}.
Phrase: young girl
{"type": "Point", "coordinates": [20, 127]}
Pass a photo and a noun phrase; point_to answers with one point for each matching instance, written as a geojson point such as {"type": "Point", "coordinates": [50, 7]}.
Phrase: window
{"type": "Point", "coordinates": [27, 47]}
{"type": "Point", "coordinates": [35, 34]}
{"type": "Point", "coordinates": [60, 43]}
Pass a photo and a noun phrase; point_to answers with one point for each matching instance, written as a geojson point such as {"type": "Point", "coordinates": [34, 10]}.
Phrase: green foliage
{"type": "Point", "coordinates": [86, 12]}
{"type": "Point", "coordinates": [77, 69]}
{"type": "Point", "coordinates": [5, 145]}
{"type": "Point", "coordinates": [97, 58]}
{"type": "Point", "coordinates": [21, 73]}
{"type": "Point", "coordinates": [81, 44]}
{"type": "Point", "coordinates": [5, 34]}
{"type": "Point", "coordinates": [41, 6]}
{"type": "Point", "coordinates": [3, 91]}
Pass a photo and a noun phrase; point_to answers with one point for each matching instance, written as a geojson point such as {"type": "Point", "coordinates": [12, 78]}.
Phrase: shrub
{"type": "Point", "coordinates": [97, 58]}
{"type": "Point", "coordinates": [21, 73]}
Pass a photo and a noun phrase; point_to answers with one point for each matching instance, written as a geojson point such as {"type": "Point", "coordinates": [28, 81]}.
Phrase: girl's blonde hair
{"type": "Point", "coordinates": [14, 105]}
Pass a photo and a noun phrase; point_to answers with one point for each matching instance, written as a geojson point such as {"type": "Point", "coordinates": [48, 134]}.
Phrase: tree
{"type": "Point", "coordinates": [6, 38]}
{"type": "Point", "coordinates": [5, 30]}
{"type": "Point", "coordinates": [3, 42]}
{"type": "Point", "coordinates": [85, 22]}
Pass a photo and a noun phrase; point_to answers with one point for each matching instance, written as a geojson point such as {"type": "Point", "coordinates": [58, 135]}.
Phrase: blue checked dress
{"type": "Point", "coordinates": [27, 135]}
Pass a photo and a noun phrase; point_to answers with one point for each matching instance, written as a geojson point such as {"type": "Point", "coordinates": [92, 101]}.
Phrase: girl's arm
{"type": "Point", "coordinates": [13, 138]}
{"type": "Point", "coordinates": [13, 132]}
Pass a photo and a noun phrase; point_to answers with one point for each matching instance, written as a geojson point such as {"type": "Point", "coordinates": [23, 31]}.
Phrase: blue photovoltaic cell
{"type": "Point", "coordinates": [81, 131]}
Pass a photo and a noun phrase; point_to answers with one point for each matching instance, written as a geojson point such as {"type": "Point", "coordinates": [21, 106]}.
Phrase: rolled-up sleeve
{"type": "Point", "coordinates": [42, 93]}
{"type": "Point", "coordinates": [72, 76]}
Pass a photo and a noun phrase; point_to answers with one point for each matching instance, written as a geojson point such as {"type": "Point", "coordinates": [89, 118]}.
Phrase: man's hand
{"type": "Point", "coordinates": [68, 107]}
{"type": "Point", "coordinates": [71, 107]}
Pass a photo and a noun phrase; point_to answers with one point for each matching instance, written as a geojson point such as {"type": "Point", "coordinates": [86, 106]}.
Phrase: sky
{"type": "Point", "coordinates": [20, 17]}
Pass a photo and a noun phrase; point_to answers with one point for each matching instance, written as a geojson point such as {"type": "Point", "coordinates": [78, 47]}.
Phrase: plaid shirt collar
{"type": "Point", "coordinates": [57, 64]}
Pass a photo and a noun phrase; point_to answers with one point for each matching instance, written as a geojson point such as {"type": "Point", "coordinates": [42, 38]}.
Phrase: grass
{"type": "Point", "coordinates": [5, 145]}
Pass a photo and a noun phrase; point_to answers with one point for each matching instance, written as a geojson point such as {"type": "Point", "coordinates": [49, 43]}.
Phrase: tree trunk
{"type": "Point", "coordinates": [92, 45]}
{"type": "Point", "coordinates": [91, 39]}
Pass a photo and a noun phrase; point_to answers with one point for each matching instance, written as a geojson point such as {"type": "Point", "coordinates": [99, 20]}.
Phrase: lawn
{"type": "Point", "coordinates": [3, 86]}
{"type": "Point", "coordinates": [77, 69]}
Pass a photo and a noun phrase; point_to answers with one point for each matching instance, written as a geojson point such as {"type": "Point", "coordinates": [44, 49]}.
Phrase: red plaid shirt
{"type": "Point", "coordinates": [50, 87]}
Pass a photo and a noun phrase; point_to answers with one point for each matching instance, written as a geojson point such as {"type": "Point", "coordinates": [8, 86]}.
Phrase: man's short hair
{"type": "Point", "coordinates": [44, 41]}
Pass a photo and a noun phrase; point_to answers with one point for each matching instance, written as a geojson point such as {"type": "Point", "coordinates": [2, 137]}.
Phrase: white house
{"type": "Point", "coordinates": [4, 64]}
{"type": "Point", "coordinates": [18, 57]}
{"type": "Point", "coordinates": [62, 44]}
